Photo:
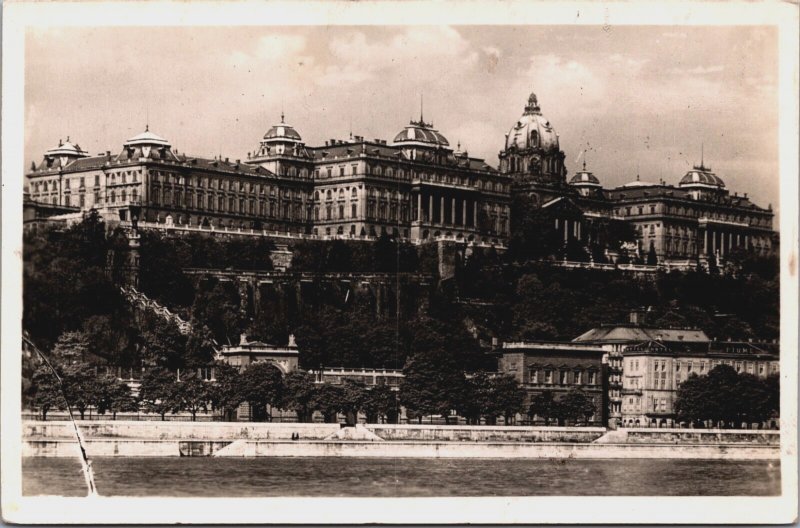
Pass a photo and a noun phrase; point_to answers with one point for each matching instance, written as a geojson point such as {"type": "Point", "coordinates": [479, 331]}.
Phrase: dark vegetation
{"type": "Point", "coordinates": [726, 398]}
{"type": "Point", "coordinates": [73, 309]}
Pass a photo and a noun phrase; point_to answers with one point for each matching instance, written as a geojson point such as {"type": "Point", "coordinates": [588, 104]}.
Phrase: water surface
{"type": "Point", "coordinates": [370, 477]}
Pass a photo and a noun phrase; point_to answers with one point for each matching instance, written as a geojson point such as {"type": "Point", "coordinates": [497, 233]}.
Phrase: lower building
{"type": "Point", "coordinates": [653, 371]}
{"type": "Point", "coordinates": [543, 366]}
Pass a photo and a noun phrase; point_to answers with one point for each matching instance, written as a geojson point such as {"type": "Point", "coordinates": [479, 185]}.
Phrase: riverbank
{"type": "Point", "coordinates": [397, 449]}
{"type": "Point", "coordinates": [176, 439]}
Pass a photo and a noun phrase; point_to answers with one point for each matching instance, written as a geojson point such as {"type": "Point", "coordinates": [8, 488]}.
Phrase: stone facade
{"type": "Point", "coordinates": [417, 187]}
{"type": "Point", "coordinates": [558, 368]}
{"type": "Point", "coordinates": [654, 370]}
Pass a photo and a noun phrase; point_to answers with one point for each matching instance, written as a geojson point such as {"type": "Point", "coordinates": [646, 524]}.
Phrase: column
{"type": "Point", "coordinates": [419, 206]}
{"type": "Point", "coordinates": [566, 230]}
{"type": "Point", "coordinates": [475, 214]}
{"type": "Point", "coordinates": [713, 242]}
{"type": "Point", "coordinates": [578, 224]}
{"type": "Point", "coordinates": [464, 213]}
{"type": "Point", "coordinates": [441, 210]}
{"type": "Point", "coordinates": [705, 241]}
{"type": "Point", "coordinates": [453, 211]}
{"type": "Point", "coordinates": [430, 208]}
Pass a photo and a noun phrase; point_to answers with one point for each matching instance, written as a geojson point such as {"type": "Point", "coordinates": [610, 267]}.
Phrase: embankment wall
{"type": "Point", "coordinates": [254, 448]}
{"type": "Point", "coordinates": [179, 430]}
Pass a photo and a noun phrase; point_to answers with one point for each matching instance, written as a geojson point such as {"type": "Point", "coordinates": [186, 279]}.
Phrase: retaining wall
{"type": "Point", "coordinates": [399, 449]}
{"type": "Point", "coordinates": [702, 436]}
{"type": "Point", "coordinates": [480, 433]}
{"type": "Point", "coordinates": [179, 430]}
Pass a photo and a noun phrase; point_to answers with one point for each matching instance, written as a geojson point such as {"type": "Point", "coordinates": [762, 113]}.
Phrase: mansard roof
{"type": "Point", "coordinates": [631, 333]}
{"type": "Point", "coordinates": [651, 191]}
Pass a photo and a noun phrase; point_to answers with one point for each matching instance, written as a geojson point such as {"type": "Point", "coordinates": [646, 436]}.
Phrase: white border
{"type": "Point", "coordinates": [19, 16]}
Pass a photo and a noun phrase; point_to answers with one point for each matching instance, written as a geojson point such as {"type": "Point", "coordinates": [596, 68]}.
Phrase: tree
{"type": "Point", "coordinates": [163, 343]}
{"type": "Point", "coordinates": [328, 399]}
{"type": "Point", "coordinates": [47, 392]}
{"type": "Point", "coordinates": [192, 394]}
{"type": "Point", "coordinates": [80, 386]}
{"type": "Point", "coordinates": [261, 385]}
{"type": "Point", "coordinates": [298, 395]}
{"type": "Point", "coordinates": [380, 404]}
{"type": "Point", "coordinates": [114, 395]}
{"type": "Point", "coordinates": [226, 393]}
{"type": "Point", "coordinates": [158, 392]}
{"type": "Point", "coordinates": [576, 405]}
{"type": "Point", "coordinates": [71, 348]}
{"type": "Point", "coordinates": [544, 406]}
{"type": "Point", "coordinates": [726, 397]}
{"type": "Point", "coordinates": [353, 395]}
{"type": "Point", "coordinates": [507, 397]}
{"type": "Point", "coordinates": [200, 347]}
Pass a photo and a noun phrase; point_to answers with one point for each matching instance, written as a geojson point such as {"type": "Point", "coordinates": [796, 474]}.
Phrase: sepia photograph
{"type": "Point", "coordinates": [399, 263]}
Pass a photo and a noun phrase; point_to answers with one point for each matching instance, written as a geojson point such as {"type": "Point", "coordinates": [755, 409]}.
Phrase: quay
{"type": "Point", "coordinates": [175, 439]}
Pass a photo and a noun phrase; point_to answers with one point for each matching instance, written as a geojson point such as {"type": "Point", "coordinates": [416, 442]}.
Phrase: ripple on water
{"type": "Point", "coordinates": [370, 477]}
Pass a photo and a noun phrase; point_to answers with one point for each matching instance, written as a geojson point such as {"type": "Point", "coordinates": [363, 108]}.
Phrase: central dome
{"type": "Point", "coordinates": [421, 133]}
{"type": "Point", "coordinates": [701, 176]}
{"type": "Point", "coordinates": [532, 130]}
{"type": "Point", "coordinates": [283, 132]}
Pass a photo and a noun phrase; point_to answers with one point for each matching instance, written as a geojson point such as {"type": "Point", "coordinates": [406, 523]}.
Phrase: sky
{"type": "Point", "coordinates": [628, 99]}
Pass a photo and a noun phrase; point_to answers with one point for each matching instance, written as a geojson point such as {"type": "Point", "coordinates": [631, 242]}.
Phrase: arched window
{"type": "Point", "coordinates": [534, 138]}
{"type": "Point", "coordinates": [316, 195]}
{"type": "Point", "coordinates": [354, 193]}
{"type": "Point", "coordinates": [114, 197]}
{"type": "Point", "coordinates": [329, 195]}
{"type": "Point", "coordinates": [341, 194]}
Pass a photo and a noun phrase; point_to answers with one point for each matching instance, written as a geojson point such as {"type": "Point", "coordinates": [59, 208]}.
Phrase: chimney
{"type": "Point", "coordinates": [226, 160]}
{"type": "Point", "coordinates": [637, 317]}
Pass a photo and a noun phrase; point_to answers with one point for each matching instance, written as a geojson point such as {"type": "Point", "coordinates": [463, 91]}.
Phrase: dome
{"type": "Point", "coordinates": [67, 148]}
{"type": "Point", "coordinates": [147, 138]}
{"type": "Point", "coordinates": [421, 133]}
{"type": "Point", "coordinates": [584, 178]}
{"type": "Point", "coordinates": [283, 132]}
{"type": "Point", "coordinates": [701, 177]}
{"type": "Point", "coordinates": [532, 130]}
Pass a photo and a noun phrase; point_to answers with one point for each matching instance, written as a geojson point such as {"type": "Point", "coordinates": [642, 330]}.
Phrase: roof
{"type": "Point", "coordinates": [701, 176]}
{"type": "Point", "coordinates": [532, 130]}
{"type": "Point", "coordinates": [147, 138]}
{"type": "Point", "coordinates": [584, 178]}
{"type": "Point", "coordinates": [420, 132]}
{"type": "Point", "coordinates": [653, 190]}
{"type": "Point", "coordinates": [631, 333]}
{"type": "Point", "coordinates": [282, 131]}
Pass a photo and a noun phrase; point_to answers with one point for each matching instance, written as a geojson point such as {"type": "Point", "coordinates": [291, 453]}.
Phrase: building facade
{"type": "Point", "coordinates": [654, 370]}
{"type": "Point", "coordinates": [558, 368]}
{"type": "Point", "coordinates": [417, 187]}
{"type": "Point", "coordinates": [614, 339]}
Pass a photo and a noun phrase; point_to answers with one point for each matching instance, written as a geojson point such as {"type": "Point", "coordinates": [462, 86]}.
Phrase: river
{"type": "Point", "coordinates": [369, 477]}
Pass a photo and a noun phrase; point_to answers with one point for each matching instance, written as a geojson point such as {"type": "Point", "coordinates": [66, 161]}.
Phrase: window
{"type": "Point", "coordinates": [577, 377]}
{"type": "Point", "coordinates": [548, 376]}
{"type": "Point", "coordinates": [564, 377]}
{"type": "Point", "coordinates": [353, 211]}
{"type": "Point", "coordinates": [592, 378]}
{"type": "Point", "coordinates": [341, 211]}
{"type": "Point", "coordinates": [96, 180]}
{"type": "Point", "coordinates": [341, 171]}
{"type": "Point", "coordinates": [534, 376]}
{"type": "Point", "coordinates": [82, 201]}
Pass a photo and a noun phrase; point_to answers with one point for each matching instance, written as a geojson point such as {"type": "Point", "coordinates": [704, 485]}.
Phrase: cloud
{"type": "Point", "coordinates": [418, 51]}
{"type": "Point", "coordinates": [697, 70]}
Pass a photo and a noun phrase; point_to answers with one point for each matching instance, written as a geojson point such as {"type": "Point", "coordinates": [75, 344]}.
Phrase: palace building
{"type": "Point", "coordinates": [417, 187]}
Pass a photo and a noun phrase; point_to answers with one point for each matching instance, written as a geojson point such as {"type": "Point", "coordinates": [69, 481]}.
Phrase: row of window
{"type": "Point", "coordinates": [681, 211]}
{"type": "Point", "coordinates": [389, 172]}
{"type": "Point", "coordinates": [564, 377]}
